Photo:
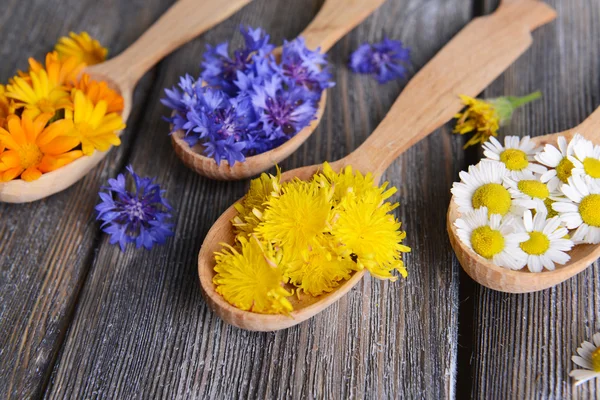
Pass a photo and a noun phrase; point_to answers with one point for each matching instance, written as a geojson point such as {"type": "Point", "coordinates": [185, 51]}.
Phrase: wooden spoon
{"type": "Point", "coordinates": [466, 65]}
{"type": "Point", "coordinates": [523, 281]}
{"type": "Point", "coordinates": [185, 20]}
{"type": "Point", "coordinates": [334, 20]}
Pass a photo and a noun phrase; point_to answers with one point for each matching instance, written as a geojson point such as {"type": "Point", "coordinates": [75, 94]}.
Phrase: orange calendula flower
{"type": "Point", "coordinates": [91, 125]}
{"type": "Point", "coordinates": [33, 149]}
{"type": "Point", "coordinates": [38, 95]}
{"type": "Point", "coordinates": [61, 71]}
{"type": "Point", "coordinates": [97, 91]}
{"type": "Point", "coordinates": [82, 46]}
{"type": "Point", "coordinates": [6, 108]}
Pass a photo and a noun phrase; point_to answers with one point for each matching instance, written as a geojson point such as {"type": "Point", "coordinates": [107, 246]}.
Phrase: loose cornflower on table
{"type": "Point", "coordinates": [485, 117]}
{"type": "Point", "coordinates": [248, 103]}
{"type": "Point", "coordinates": [386, 60]}
{"type": "Point", "coordinates": [54, 113]}
{"type": "Point", "coordinates": [140, 215]}
{"type": "Point", "coordinates": [547, 199]}
{"type": "Point", "coordinates": [307, 237]}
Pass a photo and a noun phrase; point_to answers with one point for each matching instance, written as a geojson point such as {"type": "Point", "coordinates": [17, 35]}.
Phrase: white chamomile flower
{"type": "Point", "coordinates": [491, 238]}
{"type": "Point", "coordinates": [528, 192]}
{"type": "Point", "coordinates": [546, 244]}
{"type": "Point", "coordinates": [558, 161]}
{"type": "Point", "coordinates": [482, 186]}
{"type": "Point", "coordinates": [581, 209]}
{"type": "Point", "coordinates": [589, 359]}
{"type": "Point", "coordinates": [586, 159]}
{"type": "Point", "coordinates": [516, 154]}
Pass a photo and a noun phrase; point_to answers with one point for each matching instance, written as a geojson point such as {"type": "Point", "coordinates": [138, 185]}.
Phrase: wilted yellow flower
{"type": "Point", "coordinates": [485, 117]}
{"type": "Point", "coordinates": [81, 46]}
{"type": "Point", "coordinates": [251, 279]}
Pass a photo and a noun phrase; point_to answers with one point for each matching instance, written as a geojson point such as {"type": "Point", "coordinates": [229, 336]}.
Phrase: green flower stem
{"type": "Point", "coordinates": [506, 105]}
{"type": "Point", "coordinates": [517, 102]}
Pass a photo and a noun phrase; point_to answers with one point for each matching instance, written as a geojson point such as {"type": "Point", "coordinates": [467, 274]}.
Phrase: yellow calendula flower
{"type": "Point", "coordinates": [81, 46]}
{"type": "Point", "coordinates": [38, 94]}
{"type": "Point", "coordinates": [297, 217]}
{"type": "Point", "coordinates": [321, 271]}
{"type": "Point", "coordinates": [373, 236]}
{"type": "Point", "coordinates": [61, 72]}
{"type": "Point", "coordinates": [251, 207]}
{"type": "Point", "coordinates": [33, 149]}
{"type": "Point", "coordinates": [251, 278]}
{"type": "Point", "coordinates": [485, 117]}
{"type": "Point", "coordinates": [99, 91]}
{"type": "Point", "coordinates": [91, 125]}
{"type": "Point", "coordinates": [6, 108]}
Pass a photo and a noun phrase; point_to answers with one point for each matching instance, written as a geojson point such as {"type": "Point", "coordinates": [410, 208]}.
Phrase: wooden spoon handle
{"type": "Point", "coordinates": [335, 19]}
{"type": "Point", "coordinates": [476, 56]}
{"type": "Point", "coordinates": [590, 127]}
{"type": "Point", "coordinates": [185, 20]}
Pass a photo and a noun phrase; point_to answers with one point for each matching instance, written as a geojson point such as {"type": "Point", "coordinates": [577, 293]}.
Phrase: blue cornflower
{"type": "Point", "coordinates": [220, 70]}
{"type": "Point", "coordinates": [220, 123]}
{"type": "Point", "coordinates": [282, 112]}
{"type": "Point", "coordinates": [385, 60]}
{"type": "Point", "coordinates": [181, 101]}
{"type": "Point", "coordinates": [141, 216]}
{"type": "Point", "coordinates": [303, 67]}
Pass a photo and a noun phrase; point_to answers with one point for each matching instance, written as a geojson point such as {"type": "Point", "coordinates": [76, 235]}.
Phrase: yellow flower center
{"type": "Point", "coordinates": [589, 209]}
{"type": "Point", "coordinates": [487, 242]}
{"type": "Point", "coordinates": [596, 360]}
{"type": "Point", "coordinates": [514, 159]}
{"type": "Point", "coordinates": [551, 212]}
{"type": "Point", "coordinates": [563, 169]}
{"type": "Point", "coordinates": [493, 196]}
{"type": "Point", "coordinates": [46, 106]}
{"type": "Point", "coordinates": [592, 167]}
{"type": "Point", "coordinates": [534, 189]}
{"type": "Point", "coordinates": [537, 244]}
{"type": "Point", "coordinates": [30, 155]}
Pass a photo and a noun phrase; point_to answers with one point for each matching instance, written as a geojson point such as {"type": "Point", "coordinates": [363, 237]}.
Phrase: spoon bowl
{"type": "Point", "coordinates": [334, 20]}
{"type": "Point", "coordinates": [429, 100]}
{"type": "Point", "coordinates": [523, 281]}
{"type": "Point", "coordinates": [185, 20]}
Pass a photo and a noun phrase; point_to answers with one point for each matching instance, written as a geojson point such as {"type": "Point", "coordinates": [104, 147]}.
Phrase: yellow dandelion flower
{"type": "Point", "coordinates": [252, 279]}
{"type": "Point", "coordinates": [32, 148]}
{"type": "Point", "coordinates": [92, 126]}
{"type": "Point", "coordinates": [297, 217]}
{"type": "Point", "coordinates": [320, 272]}
{"type": "Point", "coordinates": [39, 94]}
{"type": "Point", "coordinates": [254, 203]}
{"type": "Point", "coordinates": [485, 117]}
{"type": "Point", "coordinates": [348, 184]}
{"type": "Point", "coordinates": [99, 91]}
{"type": "Point", "coordinates": [61, 72]}
{"type": "Point", "coordinates": [373, 236]}
{"type": "Point", "coordinates": [81, 46]}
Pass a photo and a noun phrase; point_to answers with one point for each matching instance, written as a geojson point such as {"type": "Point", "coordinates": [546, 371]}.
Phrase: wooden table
{"type": "Point", "coordinates": [79, 319]}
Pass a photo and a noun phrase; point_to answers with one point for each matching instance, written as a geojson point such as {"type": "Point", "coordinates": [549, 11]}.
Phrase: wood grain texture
{"type": "Point", "coordinates": [46, 247]}
{"type": "Point", "coordinates": [524, 342]}
{"type": "Point", "coordinates": [141, 328]}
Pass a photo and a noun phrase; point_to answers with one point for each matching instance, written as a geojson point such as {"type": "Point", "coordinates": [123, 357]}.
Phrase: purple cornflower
{"type": "Point", "coordinates": [281, 112]}
{"type": "Point", "coordinates": [220, 70]}
{"type": "Point", "coordinates": [303, 67]}
{"type": "Point", "coordinates": [385, 60]}
{"type": "Point", "coordinates": [141, 216]}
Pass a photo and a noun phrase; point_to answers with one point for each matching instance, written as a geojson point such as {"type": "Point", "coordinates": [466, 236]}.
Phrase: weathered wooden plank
{"type": "Point", "coordinates": [141, 328]}
{"type": "Point", "coordinates": [524, 343]}
{"type": "Point", "coordinates": [46, 247]}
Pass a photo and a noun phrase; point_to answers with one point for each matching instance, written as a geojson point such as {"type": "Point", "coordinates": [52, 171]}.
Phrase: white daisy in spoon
{"type": "Point", "coordinates": [491, 238]}
{"type": "Point", "coordinates": [589, 359]}
{"type": "Point", "coordinates": [581, 209]}
{"type": "Point", "coordinates": [557, 160]}
{"type": "Point", "coordinates": [528, 192]}
{"type": "Point", "coordinates": [546, 244]}
{"type": "Point", "coordinates": [516, 154]}
{"type": "Point", "coordinates": [482, 186]}
{"type": "Point", "coordinates": [586, 159]}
